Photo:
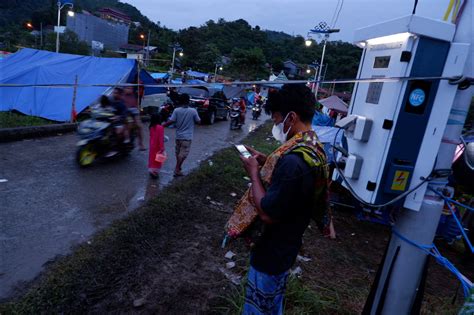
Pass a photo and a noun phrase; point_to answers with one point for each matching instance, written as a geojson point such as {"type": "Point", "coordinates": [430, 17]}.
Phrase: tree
{"type": "Point", "coordinates": [248, 64]}
{"type": "Point", "coordinates": [69, 43]}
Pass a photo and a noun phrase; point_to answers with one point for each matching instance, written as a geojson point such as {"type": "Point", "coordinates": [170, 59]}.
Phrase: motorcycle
{"type": "Point", "coordinates": [256, 111]}
{"type": "Point", "coordinates": [235, 122]}
{"type": "Point", "coordinates": [98, 137]}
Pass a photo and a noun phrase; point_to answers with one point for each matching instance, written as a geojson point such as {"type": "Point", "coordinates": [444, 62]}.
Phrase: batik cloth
{"type": "Point", "coordinates": [264, 293]}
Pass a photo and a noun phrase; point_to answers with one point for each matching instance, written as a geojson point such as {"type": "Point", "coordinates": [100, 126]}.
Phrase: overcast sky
{"type": "Point", "coordinates": [291, 16]}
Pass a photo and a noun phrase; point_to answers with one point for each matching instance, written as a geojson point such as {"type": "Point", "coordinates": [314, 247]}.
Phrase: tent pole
{"type": "Point", "coordinates": [73, 109]}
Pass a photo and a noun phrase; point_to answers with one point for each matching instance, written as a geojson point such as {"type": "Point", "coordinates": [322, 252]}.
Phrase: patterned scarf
{"type": "Point", "coordinates": [308, 146]}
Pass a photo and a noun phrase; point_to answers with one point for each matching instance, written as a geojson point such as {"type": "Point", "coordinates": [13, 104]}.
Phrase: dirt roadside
{"type": "Point", "coordinates": [165, 258]}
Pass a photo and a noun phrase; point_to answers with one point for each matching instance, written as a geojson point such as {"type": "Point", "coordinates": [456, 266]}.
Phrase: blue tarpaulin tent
{"type": "Point", "coordinates": [37, 67]}
{"type": "Point", "coordinates": [160, 75]}
{"type": "Point", "coordinates": [196, 74]}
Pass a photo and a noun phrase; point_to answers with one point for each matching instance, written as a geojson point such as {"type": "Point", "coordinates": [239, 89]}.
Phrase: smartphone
{"type": "Point", "coordinates": [243, 150]}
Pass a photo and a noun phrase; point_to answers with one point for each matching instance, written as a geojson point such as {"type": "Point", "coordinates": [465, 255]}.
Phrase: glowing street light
{"type": "Point", "coordinates": [176, 47]}
{"type": "Point", "coordinates": [308, 42]}
{"type": "Point", "coordinates": [308, 71]}
{"type": "Point", "coordinates": [218, 67]}
{"type": "Point", "coordinates": [29, 25]}
{"type": "Point", "coordinates": [70, 13]}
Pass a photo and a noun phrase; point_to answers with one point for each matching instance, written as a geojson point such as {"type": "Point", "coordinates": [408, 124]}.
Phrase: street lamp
{"type": "Point", "coordinates": [322, 29]}
{"type": "Point", "coordinates": [70, 13]}
{"type": "Point", "coordinates": [176, 47]}
{"type": "Point", "coordinates": [218, 67]}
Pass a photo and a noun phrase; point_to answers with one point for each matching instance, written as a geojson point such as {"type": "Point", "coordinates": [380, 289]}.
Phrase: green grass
{"type": "Point", "coordinates": [13, 119]}
{"type": "Point", "coordinates": [134, 257]}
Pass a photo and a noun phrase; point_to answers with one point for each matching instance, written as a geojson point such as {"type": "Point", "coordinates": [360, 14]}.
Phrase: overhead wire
{"type": "Point", "coordinates": [414, 7]}
{"type": "Point", "coordinates": [335, 12]}
{"type": "Point", "coordinates": [453, 80]}
{"type": "Point", "coordinates": [338, 13]}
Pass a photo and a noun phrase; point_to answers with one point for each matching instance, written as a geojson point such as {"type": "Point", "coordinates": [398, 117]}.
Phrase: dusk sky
{"type": "Point", "coordinates": [291, 16]}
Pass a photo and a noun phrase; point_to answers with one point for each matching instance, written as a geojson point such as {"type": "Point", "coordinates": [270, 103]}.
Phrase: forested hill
{"type": "Point", "coordinates": [252, 50]}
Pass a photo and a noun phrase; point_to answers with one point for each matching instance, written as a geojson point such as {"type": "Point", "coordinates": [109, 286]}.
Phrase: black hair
{"type": "Point", "coordinates": [118, 89]}
{"type": "Point", "coordinates": [104, 101]}
{"type": "Point", "coordinates": [184, 99]}
{"type": "Point", "coordinates": [156, 119]}
{"type": "Point", "coordinates": [296, 98]}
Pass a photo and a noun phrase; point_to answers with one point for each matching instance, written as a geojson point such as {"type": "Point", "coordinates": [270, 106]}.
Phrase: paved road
{"type": "Point", "coordinates": [48, 204]}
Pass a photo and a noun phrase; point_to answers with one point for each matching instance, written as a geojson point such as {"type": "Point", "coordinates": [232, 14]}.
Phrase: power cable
{"type": "Point", "coordinates": [335, 12]}
{"type": "Point", "coordinates": [414, 7]}
{"type": "Point", "coordinates": [453, 80]}
{"type": "Point", "coordinates": [339, 12]}
{"type": "Point", "coordinates": [372, 205]}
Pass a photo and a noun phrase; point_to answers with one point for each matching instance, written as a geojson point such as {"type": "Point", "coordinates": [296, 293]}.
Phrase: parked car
{"type": "Point", "coordinates": [210, 103]}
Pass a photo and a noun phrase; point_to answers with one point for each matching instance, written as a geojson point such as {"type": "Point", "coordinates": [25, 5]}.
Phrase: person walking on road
{"type": "Point", "coordinates": [184, 117]}
{"type": "Point", "coordinates": [156, 154]}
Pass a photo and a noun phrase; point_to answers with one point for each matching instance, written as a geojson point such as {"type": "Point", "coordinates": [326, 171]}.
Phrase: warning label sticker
{"type": "Point", "coordinates": [400, 180]}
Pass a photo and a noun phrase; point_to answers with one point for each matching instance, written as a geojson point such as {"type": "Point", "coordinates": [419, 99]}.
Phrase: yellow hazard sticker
{"type": "Point", "coordinates": [400, 180]}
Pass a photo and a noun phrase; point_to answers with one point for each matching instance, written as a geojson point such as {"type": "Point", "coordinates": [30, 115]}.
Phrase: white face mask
{"type": "Point", "coordinates": [278, 131]}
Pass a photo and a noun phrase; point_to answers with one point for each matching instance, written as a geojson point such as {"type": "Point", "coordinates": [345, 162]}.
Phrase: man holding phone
{"type": "Point", "coordinates": [288, 188]}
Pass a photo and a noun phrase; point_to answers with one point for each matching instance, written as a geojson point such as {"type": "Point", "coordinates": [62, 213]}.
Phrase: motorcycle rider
{"type": "Point", "coordinates": [131, 101]}
{"type": "Point", "coordinates": [121, 130]}
{"type": "Point", "coordinates": [243, 110]}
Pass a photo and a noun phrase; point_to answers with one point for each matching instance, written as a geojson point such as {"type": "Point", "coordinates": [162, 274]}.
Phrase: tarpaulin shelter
{"type": "Point", "coordinates": [42, 82]}
{"type": "Point", "coordinates": [197, 74]}
{"type": "Point", "coordinates": [335, 103]}
{"type": "Point", "coordinates": [160, 75]}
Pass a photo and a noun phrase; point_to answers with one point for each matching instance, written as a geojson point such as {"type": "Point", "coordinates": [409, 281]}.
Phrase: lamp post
{"type": "Point", "coordinates": [324, 30]}
{"type": "Point", "coordinates": [70, 13]}
{"type": "Point", "coordinates": [315, 66]}
{"type": "Point", "coordinates": [176, 47]}
{"type": "Point", "coordinates": [218, 67]}
{"type": "Point", "coordinates": [143, 38]}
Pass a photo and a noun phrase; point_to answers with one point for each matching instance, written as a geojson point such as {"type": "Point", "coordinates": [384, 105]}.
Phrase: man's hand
{"type": "Point", "coordinates": [251, 165]}
{"type": "Point", "coordinates": [261, 158]}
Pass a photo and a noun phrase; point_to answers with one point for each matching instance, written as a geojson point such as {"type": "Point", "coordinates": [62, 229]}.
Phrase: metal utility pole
{"type": "Point", "coordinates": [324, 30]}
{"type": "Point", "coordinates": [218, 67]}
{"type": "Point", "coordinates": [41, 35]}
{"type": "Point", "coordinates": [148, 49]}
{"type": "Point", "coordinates": [71, 13]}
{"type": "Point", "coordinates": [401, 275]}
{"type": "Point", "coordinates": [176, 47]}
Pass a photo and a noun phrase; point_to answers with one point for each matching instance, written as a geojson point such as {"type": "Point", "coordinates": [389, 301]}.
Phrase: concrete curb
{"type": "Point", "coordinates": [21, 133]}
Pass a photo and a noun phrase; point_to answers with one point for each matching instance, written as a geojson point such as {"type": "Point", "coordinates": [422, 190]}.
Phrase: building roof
{"type": "Point", "coordinates": [116, 13]}
{"type": "Point", "coordinates": [131, 47]}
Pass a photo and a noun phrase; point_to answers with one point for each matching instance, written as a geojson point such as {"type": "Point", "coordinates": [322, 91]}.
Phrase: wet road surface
{"type": "Point", "coordinates": [48, 204]}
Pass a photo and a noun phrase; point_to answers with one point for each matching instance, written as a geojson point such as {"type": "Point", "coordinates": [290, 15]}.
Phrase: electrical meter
{"type": "Point", "coordinates": [394, 126]}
